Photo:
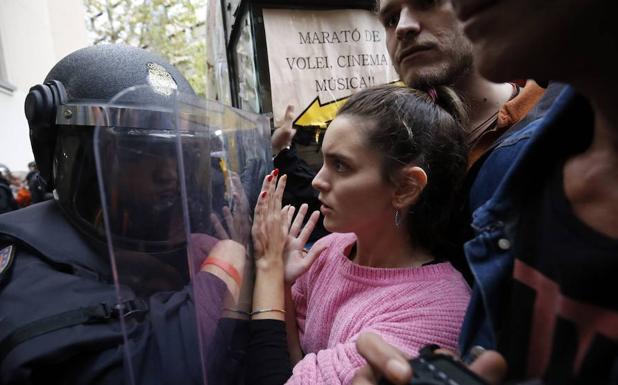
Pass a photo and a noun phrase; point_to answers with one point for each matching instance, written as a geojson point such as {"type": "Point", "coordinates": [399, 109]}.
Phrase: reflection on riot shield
{"type": "Point", "coordinates": [177, 175]}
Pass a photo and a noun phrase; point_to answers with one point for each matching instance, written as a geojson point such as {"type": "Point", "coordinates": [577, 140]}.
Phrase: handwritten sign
{"type": "Point", "coordinates": [319, 58]}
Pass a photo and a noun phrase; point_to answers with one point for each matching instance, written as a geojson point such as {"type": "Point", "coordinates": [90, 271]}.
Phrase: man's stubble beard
{"type": "Point", "coordinates": [446, 76]}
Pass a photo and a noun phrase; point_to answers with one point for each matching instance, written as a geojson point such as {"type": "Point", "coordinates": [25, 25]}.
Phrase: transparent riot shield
{"type": "Point", "coordinates": [177, 176]}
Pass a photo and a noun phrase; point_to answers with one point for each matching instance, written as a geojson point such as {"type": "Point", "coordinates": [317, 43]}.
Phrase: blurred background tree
{"type": "Point", "coordinates": [176, 29]}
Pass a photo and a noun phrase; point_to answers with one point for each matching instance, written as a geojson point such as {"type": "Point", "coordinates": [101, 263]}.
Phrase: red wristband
{"type": "Point", "coordinates": [227, 267]}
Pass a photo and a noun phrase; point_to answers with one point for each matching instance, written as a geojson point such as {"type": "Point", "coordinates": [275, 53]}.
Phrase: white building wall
{"type": "Point", "coordinates": [34, 35]}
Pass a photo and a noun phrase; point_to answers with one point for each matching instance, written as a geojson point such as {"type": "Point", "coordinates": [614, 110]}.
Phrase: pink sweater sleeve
{"type": "Point", "coordinates": [300, 289]}
{"type": "Point", "coordinates": [330, 366]}
{"type": "Point", "coordinates": [409, 333]}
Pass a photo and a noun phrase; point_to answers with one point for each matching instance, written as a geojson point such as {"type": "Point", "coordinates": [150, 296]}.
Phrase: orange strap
{"type": "Point", "coordinates": [227, 267]}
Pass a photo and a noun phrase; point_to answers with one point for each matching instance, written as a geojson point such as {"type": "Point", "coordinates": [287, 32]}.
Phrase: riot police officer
{"type": "Point", "coordinates": [114, 218]}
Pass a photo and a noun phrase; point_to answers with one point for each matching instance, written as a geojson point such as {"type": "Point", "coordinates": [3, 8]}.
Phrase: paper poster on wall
{"type": "Point", "coordinates": [317, 59]}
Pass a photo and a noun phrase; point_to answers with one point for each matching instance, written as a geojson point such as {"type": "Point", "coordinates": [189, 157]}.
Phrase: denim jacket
{"type": "Point", "coordinates": [504, 177]}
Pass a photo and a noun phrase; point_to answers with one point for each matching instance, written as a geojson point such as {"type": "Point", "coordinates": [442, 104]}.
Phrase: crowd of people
{"type": "Point", "coordinates": [17, 193]}
{"type": "Point", "coordinates": [468, 212]}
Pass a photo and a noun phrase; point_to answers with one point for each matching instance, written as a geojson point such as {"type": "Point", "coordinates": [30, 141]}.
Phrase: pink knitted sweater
{"type": "Point", "coordinates": [337, 299]}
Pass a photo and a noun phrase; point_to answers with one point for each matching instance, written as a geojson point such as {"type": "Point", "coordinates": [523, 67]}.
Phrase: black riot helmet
{"type": "Point", "coordinates": [62, 115]}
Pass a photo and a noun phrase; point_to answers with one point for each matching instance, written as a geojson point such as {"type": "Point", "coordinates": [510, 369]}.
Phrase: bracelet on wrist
{"type": "Point", "coordinates": [227, 267]}
{"type": "Point", "coordinates": [267, 310]}
{"type": "Point", "coordinates": [238, 311]}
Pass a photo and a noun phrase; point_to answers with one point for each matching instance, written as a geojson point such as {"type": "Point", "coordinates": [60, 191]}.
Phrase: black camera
{"type": "Point", "coordinates": [430, 368]}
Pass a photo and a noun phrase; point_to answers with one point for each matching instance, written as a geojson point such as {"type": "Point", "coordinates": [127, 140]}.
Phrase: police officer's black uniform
{"type": "Point", "coordinates": [59, 312]}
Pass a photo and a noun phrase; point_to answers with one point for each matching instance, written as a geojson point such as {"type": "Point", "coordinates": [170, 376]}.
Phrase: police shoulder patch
{"type": "Point", "coordinates": [6, 261]}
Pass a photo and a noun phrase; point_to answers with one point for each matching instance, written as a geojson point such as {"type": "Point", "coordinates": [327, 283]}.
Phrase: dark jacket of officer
{"type": "Point", "coordinates": [58, 323]}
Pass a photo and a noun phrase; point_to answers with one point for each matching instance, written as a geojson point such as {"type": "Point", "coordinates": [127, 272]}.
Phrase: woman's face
{"type": "Point", "coordinates": [353, 192]}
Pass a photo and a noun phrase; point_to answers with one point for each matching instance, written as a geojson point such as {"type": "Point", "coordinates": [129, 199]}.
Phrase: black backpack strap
{"type": "Point", "coordinates": [100, 313]}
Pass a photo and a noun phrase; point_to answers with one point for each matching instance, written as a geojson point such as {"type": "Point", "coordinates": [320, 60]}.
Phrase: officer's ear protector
{"type": "Point", "coordinates": [41, 106]}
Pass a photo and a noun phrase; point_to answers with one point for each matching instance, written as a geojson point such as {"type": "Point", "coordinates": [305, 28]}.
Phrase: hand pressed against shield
{"type": "Point", "coordinates": [272, 222]}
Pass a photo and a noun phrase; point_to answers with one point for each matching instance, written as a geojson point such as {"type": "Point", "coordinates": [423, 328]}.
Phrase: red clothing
{"type": "Point", "coordinates": [510, 113]}
{"type": "Point", "coordinates": [23, 197]}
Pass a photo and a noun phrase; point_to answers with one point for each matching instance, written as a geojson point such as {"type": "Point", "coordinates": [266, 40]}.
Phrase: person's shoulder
{"type": "Point", "coordinates": [44, 229]}
{"type": "Point", "coordinates": [456, 280]}
{"type": "Point", "coordinates": [530, 126]}
{"type": "Point", "coordinates": [441, 282]}
{"type": "Point", "coordinates": [491, 171]}
{"type": "Point", "coordinates": [445, 297]}
{"type": "Point", "coordinates": [444, 272]}
{"type": "Point", "coordinates": [516, 147]}
{"type": "Point", "coordinates": [519, 106]}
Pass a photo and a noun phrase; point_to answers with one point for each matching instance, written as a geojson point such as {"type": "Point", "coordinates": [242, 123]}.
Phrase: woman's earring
{"type": "Point", "coordinates": [397, 218]}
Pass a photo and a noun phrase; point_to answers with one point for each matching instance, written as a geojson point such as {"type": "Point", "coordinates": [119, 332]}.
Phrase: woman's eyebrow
{"type": "Point", "coordinates": [337, 156]}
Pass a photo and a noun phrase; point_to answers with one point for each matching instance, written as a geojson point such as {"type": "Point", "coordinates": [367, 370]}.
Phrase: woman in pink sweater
{"type": "Point", "coordinates": [393, 161]}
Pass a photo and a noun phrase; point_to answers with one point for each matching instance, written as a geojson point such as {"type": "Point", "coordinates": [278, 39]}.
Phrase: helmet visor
{"type": "Point", "coordinates": [176, 175]}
